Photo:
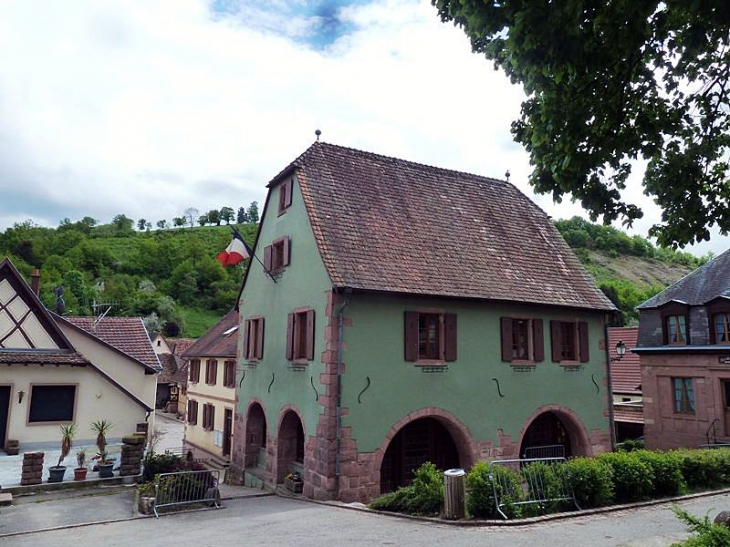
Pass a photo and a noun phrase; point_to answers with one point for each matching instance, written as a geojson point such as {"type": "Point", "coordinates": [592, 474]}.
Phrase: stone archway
{"type": "Point", "coordinates": [290, 445]}
{"type": "Point", "coordinates": [553, 431]}
{"type": "Point", "coordinates": [255, 437]}
{"type": "Point", "coordinates": [425, 436]}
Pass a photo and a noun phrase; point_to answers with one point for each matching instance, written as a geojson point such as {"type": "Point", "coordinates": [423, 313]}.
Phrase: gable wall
{"type": "Point", "coordinates": [304, 283]}
{"type": "Point", "coordinates": [96, 399]}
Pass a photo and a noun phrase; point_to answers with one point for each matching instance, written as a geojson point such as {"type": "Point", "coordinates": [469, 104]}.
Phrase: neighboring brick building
{"type": "Point", "coordinates": [407, 313]}
{"type": "Point", "coordinates": [684, 344]}
{"type": "Point", "coordinates": [626, 384]}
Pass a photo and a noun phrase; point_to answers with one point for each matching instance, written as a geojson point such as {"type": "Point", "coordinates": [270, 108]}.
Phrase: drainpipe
{"type": "Point", "coordinates": [338, 396]}
{"type": "Point", "coordinates": [612, 423]}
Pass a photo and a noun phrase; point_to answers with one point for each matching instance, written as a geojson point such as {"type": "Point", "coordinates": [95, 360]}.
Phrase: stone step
{"type": "Point", "coordinates": [6, 498]}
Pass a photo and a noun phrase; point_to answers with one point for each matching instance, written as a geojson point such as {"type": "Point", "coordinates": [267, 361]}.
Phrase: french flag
{"type": "Point", "coordinates": [236, 251]}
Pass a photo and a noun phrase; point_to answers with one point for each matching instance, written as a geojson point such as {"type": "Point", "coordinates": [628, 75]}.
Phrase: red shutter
{"type": "Point", "coordinates": [538, 340]}
{"type": "Point", "coordinates": [290, 337]}
{"type": "Point", "coordinates": [260, 340]}
{"type": "Point", "coordinates": [450, 336]}
{"type": "Point", "coordinates": [555, 340]}
{"type": "Point", "coordinates": [583, 342]}
{"type": "Point", "coordinates": [506, 330]}
{"type": "Point", "coordinates": [289, 188]}
{"type": "Point", "coordinates": [287, 251]}
{"type": "Point", "coordinates": [211, 417]}
{"type": "Point", "coordinates": [246, 338]}
{"type": "Point", "coordinates": [411, 335]}
{"type": "Point", "coordinates": [267, 258]}
{"type": "Point", "coordinates": [310, 335]}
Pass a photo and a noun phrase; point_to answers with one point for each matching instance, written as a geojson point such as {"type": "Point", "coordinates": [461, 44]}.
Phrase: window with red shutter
{"type": "Point", "coordinates": [569, 341]}
{"type": "Point", "coordinates": [430, 336]}
{"type": "Point", "coordinates": [522, 339]}
{"type": "Point", "coordinates": [192, 416]}
{"type": "Point", "coordinates": [211, 371]}
{"type": "Point", "coordinates": [300, 336]}
{"type": "Point", "coordinates": [285, 195]}
{"type": "Point", "coordinates": [194, 370]}
{"type": "Point", "coordinates": [254, 339]}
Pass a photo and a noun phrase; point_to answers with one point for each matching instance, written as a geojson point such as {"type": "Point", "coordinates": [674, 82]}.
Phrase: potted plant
{"type": "Point", "coordinates": [101, 428]}
{"type": "Point", "coordinates": [56, 472]}
{"type": "Point", "coordinates": [80, 471]}
{"type": "Point", "coordinates": [146, 494]}
{"type": "Point", "coordinates": [294, 482]}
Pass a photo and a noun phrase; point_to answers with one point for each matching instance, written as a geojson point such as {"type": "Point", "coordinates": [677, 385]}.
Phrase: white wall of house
{"type": "Point", "coordinates": [96, 399]}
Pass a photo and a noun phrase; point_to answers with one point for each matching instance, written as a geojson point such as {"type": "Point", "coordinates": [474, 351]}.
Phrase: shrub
{"type": "Point", "coordinates": [422, 497]}
{"type": "Point", "coordinates": [591, 480]}
{"type": "Point", "coordinates": [480, 491]}
{"type": "Point", "coordinates": [708, 468]}
{"type": "Point", "coordinates": [630, 445]}
{"type": "Point", "coordinates": [154, 464]}
{"type": "Point", "coordinates": [708, 533]}
{"type": "Point", "coordinates": [667, 469]}
{"type": "Point", "coordinates": [633, 479]}
{"type": "Point", "coordinates": [544, 482]}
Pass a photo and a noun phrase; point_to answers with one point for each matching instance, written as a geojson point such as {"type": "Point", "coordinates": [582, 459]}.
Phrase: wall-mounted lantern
{"type": "Point", "coordinates": [620, 351]}
{"type": "Point", "coordinates": [21, 394]}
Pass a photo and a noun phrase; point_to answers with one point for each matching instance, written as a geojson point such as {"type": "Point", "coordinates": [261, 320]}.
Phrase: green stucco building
{"type": "Point", "coordinates": [405, 313]}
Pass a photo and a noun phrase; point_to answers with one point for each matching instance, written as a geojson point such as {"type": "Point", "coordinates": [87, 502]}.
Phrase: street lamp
{"type": "Point", "coordinates": [620, 351]}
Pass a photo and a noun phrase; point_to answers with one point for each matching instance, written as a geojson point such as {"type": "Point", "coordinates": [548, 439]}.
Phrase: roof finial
{"type": "Point", "coordinates": [507, 175]}
{"type": "Point", "coordinates": [318, 133]}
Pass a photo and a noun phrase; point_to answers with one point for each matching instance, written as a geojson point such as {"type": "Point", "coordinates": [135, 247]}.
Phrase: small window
{"type": "Point", "coordinates": [300, 336]}
{"type": "Point", "coordinates": [430, 336]}
{"type": "Point", "coordinates": [208, 417]}
{"type": "Point", "coordinates": [192, 412]}
{"type": "Point", "coordinates": [229, 374]}
{"type": "Point", "coordinates": [569, 341]}
{"type": "Point", "coordinates": [684, 397]}
{"type": "Point", "coordinates": [721, 321]}
{"type": "Point", "coordinates": [676, 330]}
{"type": "Point", "coordinates": [285, 195]}
{"type": "Point", "coordinates": [52, 403]}
{"type": "Point", "coordinates": [211, 371]}
{"type": "Point", "coordinates": [522, 339]}
{"type": "Point", "coordinates": [254, 339]}
{"type": "Point", "coordinates": [277, 255]}
{"type": "Point", "coordinates": [194, 370]}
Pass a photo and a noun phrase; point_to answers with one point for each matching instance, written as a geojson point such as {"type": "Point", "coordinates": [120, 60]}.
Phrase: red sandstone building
{"type": "Point", "coordinates": [684, 344]}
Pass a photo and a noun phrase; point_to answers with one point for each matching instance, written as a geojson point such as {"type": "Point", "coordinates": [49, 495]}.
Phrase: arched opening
{"type": "Point", "coordinates": [255, 437]}
{"type": "Point", "coordinates": [547, 436]}
{"type": "Point", "coordinates": [290, 446]}
{"type": "Point", "coordinates": [420, 441]}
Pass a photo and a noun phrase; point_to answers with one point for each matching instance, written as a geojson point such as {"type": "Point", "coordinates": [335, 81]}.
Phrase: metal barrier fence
{"type": "Point", "coordinates": [187, 487]}
{"type": "Point", "coordinates": [534, 486]}
{"type": "Point", "coordinates": [546, 451]}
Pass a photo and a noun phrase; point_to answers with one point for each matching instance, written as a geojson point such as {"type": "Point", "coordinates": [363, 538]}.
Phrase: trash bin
{"type": "Point", "coordinates": [454, 490]}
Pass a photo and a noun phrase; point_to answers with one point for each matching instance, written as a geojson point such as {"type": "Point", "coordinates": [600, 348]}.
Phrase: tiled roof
{"type": "Point", "coordinates": [126, 334]}
{"type": "Point", "coordinates": [386, 224]}
{"type": "Point", "coordinates": [706, 283]}
{"type": "Point", "coordinates": [178, 346]}
{"type": "Point", "coordinates": [172, 370]}
{"type": "Point", "coordinates": [626, 373]}
{"type": "Point", "coordinates": [631, 415]}
{"type": "Point", "coordinates": [42, 357]}
{"type": "Point", "coordinates": [219, 341]}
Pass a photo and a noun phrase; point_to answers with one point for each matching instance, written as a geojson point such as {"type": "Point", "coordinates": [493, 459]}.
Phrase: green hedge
{"type": "Point", "coordinates": [422, 497]}
{"type": "Point", "coordinates": [591, 481]}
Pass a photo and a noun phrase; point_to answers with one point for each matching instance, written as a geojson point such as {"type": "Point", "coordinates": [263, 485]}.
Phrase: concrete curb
{"type": "Point", "coordinates": [515, 523]}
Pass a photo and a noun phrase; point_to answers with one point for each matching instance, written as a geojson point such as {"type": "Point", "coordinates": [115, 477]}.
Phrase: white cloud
{"type": "Point", "coordinates": [148, 107]}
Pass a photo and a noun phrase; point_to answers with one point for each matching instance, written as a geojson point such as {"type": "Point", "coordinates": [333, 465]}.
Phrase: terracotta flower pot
{"type": "Point", "coordinates": [80, 473]}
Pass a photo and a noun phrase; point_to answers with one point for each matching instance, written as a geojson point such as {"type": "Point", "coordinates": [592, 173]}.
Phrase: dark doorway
{"type": "Point", "coordinates": [423, 440]}
{"type": "Point", "coordinates": [227, 431]}
{"type": "Point", "coordinates": [255, 437]}
{"type": "Point", "coordinates": [546, 437]}
{"type": "Point", "coordinates": [290, 447]}
{"type": "Point", "coordinates": [4, 413]}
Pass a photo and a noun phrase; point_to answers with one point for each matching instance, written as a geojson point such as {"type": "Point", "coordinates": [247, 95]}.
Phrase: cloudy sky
{"type": "Point", "coordinates": [149, 107]}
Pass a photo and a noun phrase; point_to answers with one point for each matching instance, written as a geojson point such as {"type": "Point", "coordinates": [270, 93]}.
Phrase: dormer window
{"type": "Point", "coordinates": [285, 195]}
{"type": "Point", "coordinates": [721, 321]}
{"type": "Point", "coordinates": [676, 330]}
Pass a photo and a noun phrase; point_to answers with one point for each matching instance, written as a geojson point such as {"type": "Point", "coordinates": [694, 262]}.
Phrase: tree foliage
{"type": "Point", "coordinates": [612, 81]}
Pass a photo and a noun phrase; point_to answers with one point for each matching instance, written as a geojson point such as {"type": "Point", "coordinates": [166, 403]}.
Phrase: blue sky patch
{"type": "Point", "coordinates": [318, 23]}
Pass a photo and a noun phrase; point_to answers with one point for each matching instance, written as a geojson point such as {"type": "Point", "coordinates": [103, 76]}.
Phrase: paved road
{"type": "Point", "coordinates": [273, 521]}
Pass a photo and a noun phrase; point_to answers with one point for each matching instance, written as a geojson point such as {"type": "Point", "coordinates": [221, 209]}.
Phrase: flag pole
{"type": "Point", "coordinates": [254, 255]}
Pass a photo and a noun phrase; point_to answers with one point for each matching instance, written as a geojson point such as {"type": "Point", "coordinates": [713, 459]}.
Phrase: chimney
{"type": "Point", "coordinates": [35, 281]}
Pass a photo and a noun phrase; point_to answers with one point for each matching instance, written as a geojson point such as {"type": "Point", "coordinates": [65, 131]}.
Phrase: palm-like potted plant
{"type": "Point", "coordinates": [101, 428]}
{"type": "Point", "coordinates": [80, 471]}
{"type": "Point", "coordinates": [56, 472]}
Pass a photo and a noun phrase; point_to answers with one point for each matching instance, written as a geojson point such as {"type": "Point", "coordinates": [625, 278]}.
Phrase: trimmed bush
{"type": "Point", "coordinates": [707, 468]}
{"type": "Point", "coordinates": [480, 491]}
{"type": "Point", "coordinates": [544, 482]}
{"type": "Point", "coordinates": [591, 480]}
{"type": "Point", "coordinates": [667, 469]}
{"type": "Point", "coordinates": [633, 480]}
{"type": "Point", "coordinates": [422, 497]}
